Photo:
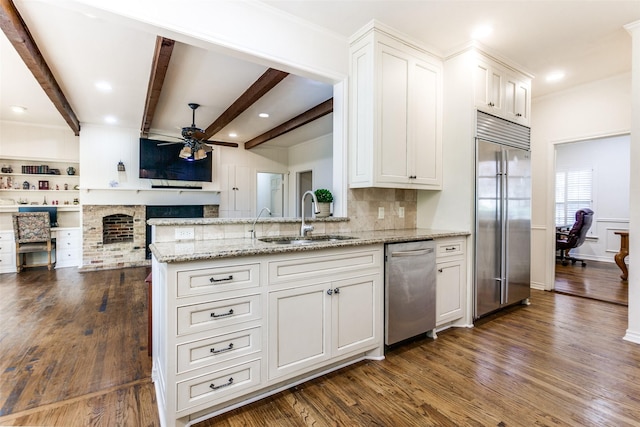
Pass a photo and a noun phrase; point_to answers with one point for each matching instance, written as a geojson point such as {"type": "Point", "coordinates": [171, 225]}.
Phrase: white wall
{"type": "Point", "coordinates": [607, 158]}
{"type": "Point", "coordinates": [594, 110]}
{"type": "Point", "coordinates": [38, 142]}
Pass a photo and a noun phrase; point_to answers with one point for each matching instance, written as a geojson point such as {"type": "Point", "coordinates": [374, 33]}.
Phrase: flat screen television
{"type": "Point", "coordinates": [53, 212]}
{"type": "Point", "coordinates": [159, 160]}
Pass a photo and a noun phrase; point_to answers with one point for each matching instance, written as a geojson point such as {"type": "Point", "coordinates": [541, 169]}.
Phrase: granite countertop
{"type": "Point", "coordinates": [195, 250]}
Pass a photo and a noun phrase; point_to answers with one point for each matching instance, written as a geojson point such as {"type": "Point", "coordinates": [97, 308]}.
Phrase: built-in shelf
{"type": "Point", "coordinates": [138, 190]}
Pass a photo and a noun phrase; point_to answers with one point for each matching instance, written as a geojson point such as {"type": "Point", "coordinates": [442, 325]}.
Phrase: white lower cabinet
{"type": "Point", "coordinates": [229, 330]}
{"type": "Point", "coordinates": [67, 247]}
{"type": "Point", "coordinates": [7, 252]}
{"type": "Point", "coordinates": [311, 324]}
{"type": "Point", "coordinates": [450, 280]}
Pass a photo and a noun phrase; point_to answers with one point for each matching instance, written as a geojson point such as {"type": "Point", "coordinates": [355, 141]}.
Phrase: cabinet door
{"type": "Point", "coordinates": [298, 328]}
{"type": "Point", "coordinates": [450, 291]}
{"type": "Point", "coordinates": [393, 116]}
{"type": "Point", "coordinates": [488, 81]}
{"type": "Point", "coordinates": [425, 150]}
{"type": "Point", "coordinates": [517, 100]}
{"type": "Point", "coordinates": [355, 314]}
{"type": "Point", "coordinates": [235, 194]}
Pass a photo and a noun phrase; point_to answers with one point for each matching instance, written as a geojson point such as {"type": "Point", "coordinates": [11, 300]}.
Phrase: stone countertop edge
{"type": "Point", "coordinates": [198, 250]}
{"type": "Point", "coordinates": [222, 221]}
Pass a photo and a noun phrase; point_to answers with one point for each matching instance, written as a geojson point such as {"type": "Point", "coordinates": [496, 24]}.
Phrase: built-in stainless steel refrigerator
{"type": "Point", "coordinates": [503, 214]}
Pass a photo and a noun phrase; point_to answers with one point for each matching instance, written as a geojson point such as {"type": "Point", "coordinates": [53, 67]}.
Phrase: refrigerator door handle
{"type": "Point", "coordinates": [504, 250]}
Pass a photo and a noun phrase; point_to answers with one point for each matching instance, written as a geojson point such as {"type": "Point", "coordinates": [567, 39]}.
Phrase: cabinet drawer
{"type": "Point", "coordinates": [321, 266]}
{"type": "Point", "coordinates": [219, 386]}
{"type": "Point", "coordinates": [214, 314]}
{"type": "Point", "coordinates": [449, 248]}
{"type": "Point", "coordinates": [220, 279]}
{"type": "Point", "coordinates": [218, 349]}
{"type": "Point", "coordinates": [7, 263]}
{"type": "Point", "coordinates": [67, 257]}
{"type": "Point", "coordinates": [7, 243]}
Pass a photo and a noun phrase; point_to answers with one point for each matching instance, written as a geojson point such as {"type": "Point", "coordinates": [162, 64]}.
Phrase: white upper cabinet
{"type": "Point", "coordinates": [395, 114]}
{"type": "Point", "coordinates": [502, 91]}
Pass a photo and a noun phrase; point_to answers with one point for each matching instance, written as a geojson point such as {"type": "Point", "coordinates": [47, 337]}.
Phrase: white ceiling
{"type": "Point", "coordinates": [585, 38]}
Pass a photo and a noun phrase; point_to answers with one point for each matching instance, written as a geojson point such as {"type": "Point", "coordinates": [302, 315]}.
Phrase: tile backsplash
{"type": "Point", "coordinates": [365, 203]}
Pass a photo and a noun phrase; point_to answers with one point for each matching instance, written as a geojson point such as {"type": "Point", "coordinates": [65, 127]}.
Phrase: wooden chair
{"type": "Point", "coordinates": [32, 232]}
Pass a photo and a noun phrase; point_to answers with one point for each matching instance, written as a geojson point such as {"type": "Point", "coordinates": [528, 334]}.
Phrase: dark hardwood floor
{"type": "Point", "coordinates": [73, 353]}
{"type": "Point", "coordinates": [598, 280]}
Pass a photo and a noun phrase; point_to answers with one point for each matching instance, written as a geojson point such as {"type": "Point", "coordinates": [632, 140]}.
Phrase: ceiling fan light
{"type": "Point", "coordinates": [185, 153]}
{"type": "Point", "coordinates": [200, 154]}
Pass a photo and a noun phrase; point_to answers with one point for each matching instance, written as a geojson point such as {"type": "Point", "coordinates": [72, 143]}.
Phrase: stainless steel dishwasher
{"type": "Point", "coordinates": [409, 290]}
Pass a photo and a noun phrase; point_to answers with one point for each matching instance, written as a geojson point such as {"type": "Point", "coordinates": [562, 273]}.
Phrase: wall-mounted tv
{"type": "Point", "coordinates": [159, 160]}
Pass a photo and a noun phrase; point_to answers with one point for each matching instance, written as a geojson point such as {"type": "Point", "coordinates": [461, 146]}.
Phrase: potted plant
{"type": "Point", "coordinates": [325, 198]}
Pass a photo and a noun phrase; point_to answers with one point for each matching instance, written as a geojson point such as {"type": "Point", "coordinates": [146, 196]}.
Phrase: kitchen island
{"type": "Point", "coordinates": [238, 319]}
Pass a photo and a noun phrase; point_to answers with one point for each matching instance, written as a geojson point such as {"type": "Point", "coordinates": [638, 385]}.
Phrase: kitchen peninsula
{"type": "Point", "coordinates": [236, 319]}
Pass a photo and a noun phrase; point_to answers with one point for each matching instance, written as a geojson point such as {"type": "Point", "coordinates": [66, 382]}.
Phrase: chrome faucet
{"type": "Point", "coordinates": [253, 228]}
{"type": "Point", "coordinates": [304, 229]}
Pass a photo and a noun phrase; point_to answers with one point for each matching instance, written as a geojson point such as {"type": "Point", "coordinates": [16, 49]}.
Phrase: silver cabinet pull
{"type": "Point", "coordinates": [229, 348]}
{"type": "Point", "coordinates": [214, 315]}
{"type": "Point", "coordinates": [336, 291]}
{"type": "Point", "coordinates": [329, 291]}
{"type": "Point", "coordinates": [216, 387]}
{"type": "Point", "coordinates": [224, 279]}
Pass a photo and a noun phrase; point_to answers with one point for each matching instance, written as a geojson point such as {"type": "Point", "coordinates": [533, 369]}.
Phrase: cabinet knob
{"type": "Point", "coordinates": [518, 115]}
{"type": "Point", "coordinates": [329, 291]}
{"type": "Point", "coordinates": [336, 290]}
{"type": "Point", "coordinates": [439, 270]}
{"type": "Point", "coordinates": [413, 176]}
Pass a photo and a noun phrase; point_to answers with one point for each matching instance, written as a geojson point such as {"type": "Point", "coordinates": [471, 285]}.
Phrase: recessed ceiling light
{"type": "Point", "coordinates": [103, 86]}
{"type": "Point", "coordinates": [555, 76]}
{"type": "Point", "coordinates": [90, 15]}
{"type": "Point", "coordinates": [481, 32]}
{"type": "Point", "coordinates": [263, 115]}
{"type": "Point", "coordinates": [233, 134]}
{"type": "Point", "coordinates": [18, 109]}
{"type": "Point", "coordinates": [110, 120]}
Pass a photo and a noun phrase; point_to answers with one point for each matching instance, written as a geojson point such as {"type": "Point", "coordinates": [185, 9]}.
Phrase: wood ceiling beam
{"type": "Point", "coordinates": [308, 116]}
{"type": "Point", "coordinates": [161, 58]}
{"type": "Point", "coordinates": [20, 37]}
{"type": "Point", "coordinates": [257, 90]}
{"type": "Point", "coordinates": [222, 143]}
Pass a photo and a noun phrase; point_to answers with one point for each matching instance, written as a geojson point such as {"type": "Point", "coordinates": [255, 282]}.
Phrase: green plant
{"type": "Point", "coordinates": [323, 195]}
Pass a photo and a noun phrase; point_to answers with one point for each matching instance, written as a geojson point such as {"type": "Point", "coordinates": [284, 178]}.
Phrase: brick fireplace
{"type": "Point", "coordinates": [113, 236]}
{"type": "Point", "coordinates": [117, 236]}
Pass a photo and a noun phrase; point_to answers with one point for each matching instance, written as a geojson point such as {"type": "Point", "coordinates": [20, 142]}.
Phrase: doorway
{"type": "Point", "coordinates": [593, 174]}
{"type": "Point", "coordinates": [305, 183]}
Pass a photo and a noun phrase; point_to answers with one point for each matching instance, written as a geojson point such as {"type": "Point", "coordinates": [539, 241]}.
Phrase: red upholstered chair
{"type": "Point", "coordinates": [575, 237]}
{"type": "Point", "coordinates": [32, 233]}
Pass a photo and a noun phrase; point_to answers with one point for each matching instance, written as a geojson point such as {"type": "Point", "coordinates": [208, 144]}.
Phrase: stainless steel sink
{"type": "Point", "coordinates": [308, 240]}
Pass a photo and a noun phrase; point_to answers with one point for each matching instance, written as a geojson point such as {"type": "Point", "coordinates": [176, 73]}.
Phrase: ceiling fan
{"type": "Point", "coordinates": [193, 138]}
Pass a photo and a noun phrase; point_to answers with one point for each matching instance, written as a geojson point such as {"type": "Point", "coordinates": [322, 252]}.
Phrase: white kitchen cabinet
{"type": "Point", "coordinates": [502, 91]}
{"type": "Point", "coordinates": [395, 113]}
{"type": "Point", "coordinates": [233, 329]}
{"type": "Point", "coordinates": [517, 103]}
{"type": "Point", "coordinates": [68, 245]}
{"type": "Point", "coordinates": [312, 324]}
{"type": "Point", "coordinates": [323, 307]}
{"type": "Point", "coordinates": [235, 191]}
{"type": "Point", "coordinates": [450, 280]}
{"type": "Point", "coordinates": [7, 252]}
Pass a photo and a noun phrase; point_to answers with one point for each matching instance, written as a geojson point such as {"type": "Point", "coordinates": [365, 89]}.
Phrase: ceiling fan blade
{"type": "Point", "coordinates": [200, 135]}
{"type": "Point", "coordinates": [207, 148]}
{"type": "Point", "coordinates": [169, 143]}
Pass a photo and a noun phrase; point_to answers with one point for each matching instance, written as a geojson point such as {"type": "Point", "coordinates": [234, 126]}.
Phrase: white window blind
{"type": "Point", "coordinates": [574, 190]}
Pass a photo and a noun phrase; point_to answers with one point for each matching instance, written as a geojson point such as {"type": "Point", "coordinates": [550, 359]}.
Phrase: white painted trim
{"type": "Point", "coordinates": [632, 336]}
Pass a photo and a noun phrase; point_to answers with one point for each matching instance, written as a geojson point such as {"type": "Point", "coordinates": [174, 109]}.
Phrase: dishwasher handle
{"type": "Point", "coordinates": [416, 252]}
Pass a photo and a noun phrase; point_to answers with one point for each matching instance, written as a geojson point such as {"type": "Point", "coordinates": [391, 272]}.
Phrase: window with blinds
{"type": "Point", "coordinates": [574, 190]}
